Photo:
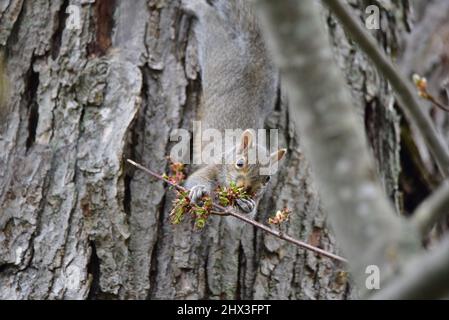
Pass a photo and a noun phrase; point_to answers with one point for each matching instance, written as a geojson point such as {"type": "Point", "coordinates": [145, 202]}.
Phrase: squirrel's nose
{"type": "Point", "coordinates": [242, 182]}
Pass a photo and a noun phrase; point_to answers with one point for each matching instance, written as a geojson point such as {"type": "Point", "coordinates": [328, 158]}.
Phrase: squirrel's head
{"type": "Point", "coordinates": [251, 165]}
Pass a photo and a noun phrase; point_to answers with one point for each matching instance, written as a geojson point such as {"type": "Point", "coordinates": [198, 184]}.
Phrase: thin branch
{"type": "Point", "coordinates": [437, 103]}
{"type": "Point", "coordinates": [404, 91]}
{"type": "Point", "coordinates": [426, 277]}
{"type": "Point", "coordinates": [222, 211]}
{"type": "Point", "coordinates": [432, 209]}
{"type": "Point", "coordinates": [218, 213]}
{"type": "Point", "coordinates": [283, 236]}
{"type": "Point", "coordinates": [421, 85]}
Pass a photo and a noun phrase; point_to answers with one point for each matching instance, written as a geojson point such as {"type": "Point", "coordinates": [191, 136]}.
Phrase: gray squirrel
{"type": "Point", "coordinates": [239, 87]}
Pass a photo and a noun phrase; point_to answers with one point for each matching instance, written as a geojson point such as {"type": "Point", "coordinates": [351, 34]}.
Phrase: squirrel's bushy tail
{"type": "Point", "coordinates": [240, 16]}
{"type": "Point", "coordinates": [232, 22]}
{"type": "Point", "coordinates": [238, 76]}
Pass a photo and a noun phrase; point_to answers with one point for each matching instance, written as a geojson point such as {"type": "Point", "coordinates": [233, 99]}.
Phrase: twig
{"type": "Point", "coordinates": [404, 90]}
{"type": "Point", "coordinates": [218, 213]}
{"type": "Point", "coordinates": [282, 236]}
{"type": "Point", "coordinates": [437, 103]}
{"type": "Point", "coordinates": [432, 209]}
{"type": "Point", "coordinates": [421, 85]}
{"type": "Point", "coordinates": [222, 211]}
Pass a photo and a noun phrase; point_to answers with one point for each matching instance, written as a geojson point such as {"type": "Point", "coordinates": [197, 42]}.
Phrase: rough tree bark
{"type": "Point", "coordinates": [77, 222]}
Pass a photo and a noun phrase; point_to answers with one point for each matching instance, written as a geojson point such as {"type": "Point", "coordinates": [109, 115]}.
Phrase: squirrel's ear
{"type": "Point", "coordinates": [246, 141]}
{"type": "Point", "coordinates": [277, 155]}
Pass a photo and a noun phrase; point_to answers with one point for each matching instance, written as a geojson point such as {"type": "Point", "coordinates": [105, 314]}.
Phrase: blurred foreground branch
{"type": "Point", "coordinates": [432, 209]}
{"type": "Point", "coordinates": [426, 277]}
{"type": "Point", "coordinates": [404, 90]}
{"type": "Point", "coordinates": [366, 227]}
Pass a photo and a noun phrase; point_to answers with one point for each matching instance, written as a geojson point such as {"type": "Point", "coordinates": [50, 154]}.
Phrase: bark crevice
{"type": "Point", "coordinates": [31, 88]}
{"type": "Point", "coordinates": [61, 18]}
{"type": "Point", "coordinates": [93, 269]}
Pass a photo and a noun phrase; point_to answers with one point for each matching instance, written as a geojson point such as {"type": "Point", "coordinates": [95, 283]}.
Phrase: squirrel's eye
{"type": "Point", "coordinates": [267, 178]}
{"type": "Point", "coordinates": [240, 163]}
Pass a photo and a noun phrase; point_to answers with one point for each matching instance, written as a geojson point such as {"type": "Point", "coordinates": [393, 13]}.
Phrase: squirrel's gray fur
{"type": "Point", "coordinates": [239, 88]}
{"type": "Point", "coordinates": [239, 79]}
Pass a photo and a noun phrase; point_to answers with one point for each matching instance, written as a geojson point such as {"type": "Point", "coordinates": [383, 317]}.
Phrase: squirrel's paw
{"type": "Point", "coordinates": [197, 192]}
{"type": "Point", "coordinates": [246, 205]}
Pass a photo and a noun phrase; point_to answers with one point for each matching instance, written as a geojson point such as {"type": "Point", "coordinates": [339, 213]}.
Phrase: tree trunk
{"type": "Point", "coordinates": [76, 222]}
